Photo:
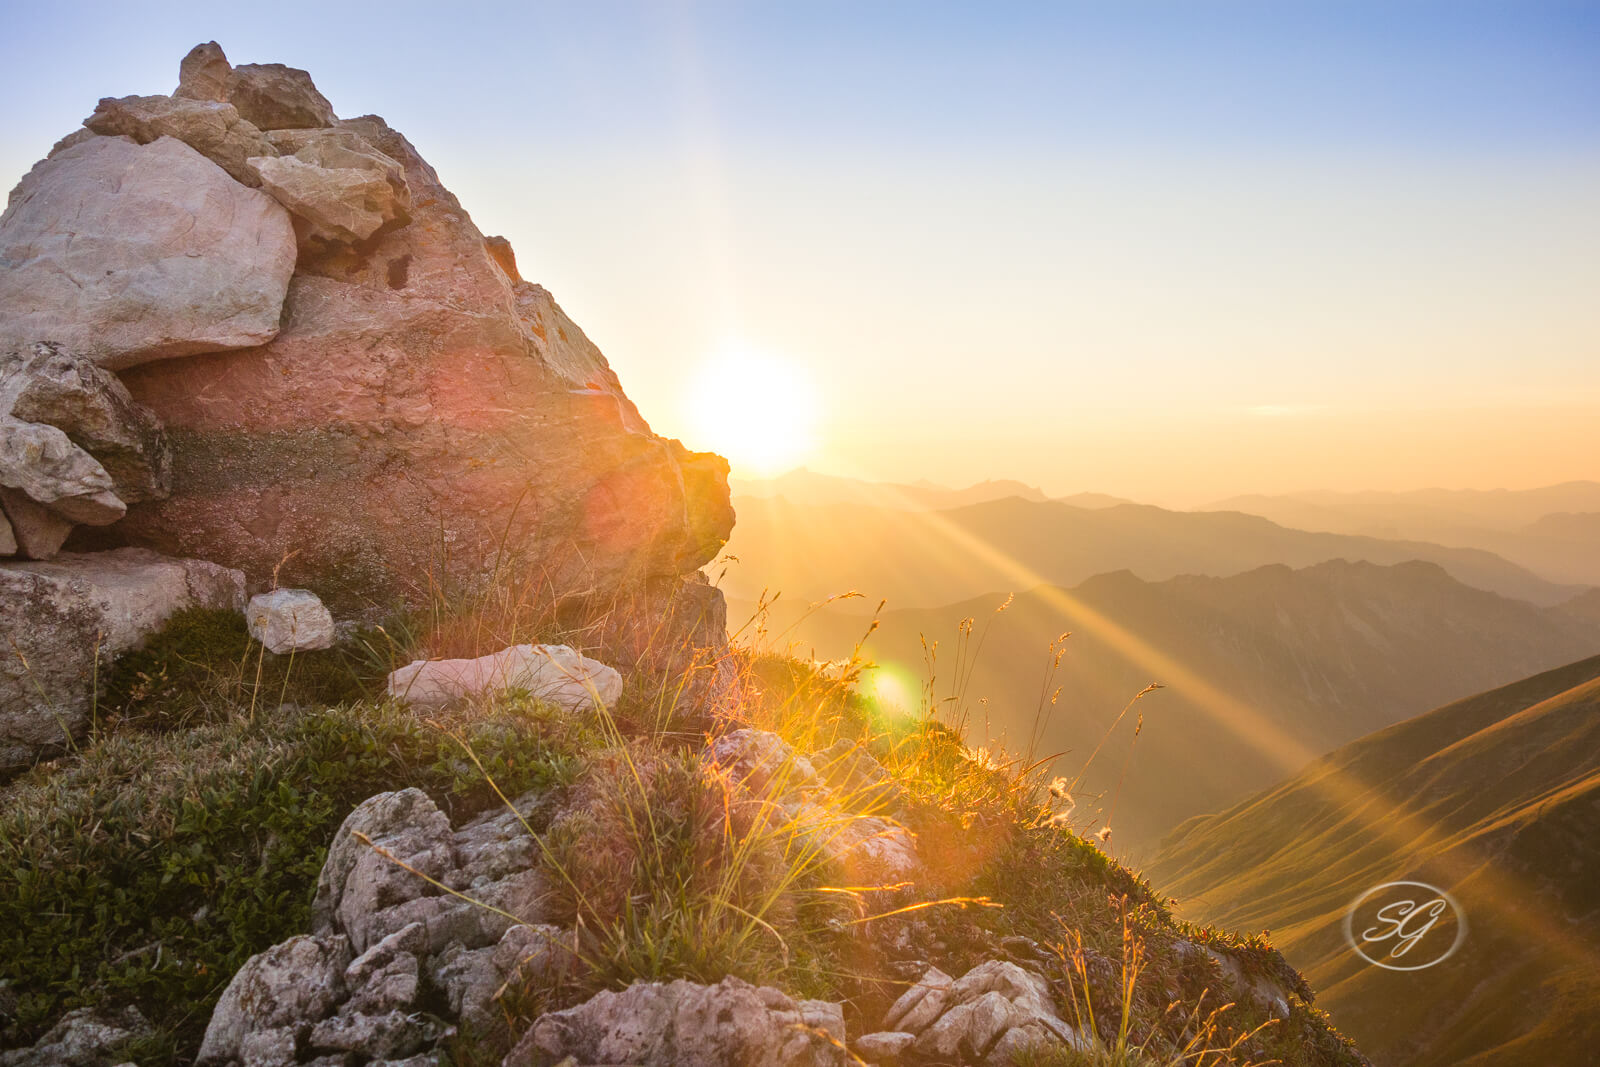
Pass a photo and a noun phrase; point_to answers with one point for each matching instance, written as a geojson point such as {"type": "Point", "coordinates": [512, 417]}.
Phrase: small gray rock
{"type": "Point", "coordinates": [290, 620]}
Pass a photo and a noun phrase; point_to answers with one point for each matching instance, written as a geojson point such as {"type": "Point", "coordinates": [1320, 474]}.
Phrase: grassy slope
{"type": "Point", "coordinates": [1494, 798]}
{"type": "Point", "coordinates": [188, 835]}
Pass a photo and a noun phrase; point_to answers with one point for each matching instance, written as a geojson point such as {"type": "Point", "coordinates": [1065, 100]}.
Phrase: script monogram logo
{"type": "Point", "coordinates": [1405, 926]}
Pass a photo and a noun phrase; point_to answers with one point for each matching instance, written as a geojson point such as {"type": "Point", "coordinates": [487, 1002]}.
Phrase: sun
{"type": "Point", "coordinates": [759, 410]}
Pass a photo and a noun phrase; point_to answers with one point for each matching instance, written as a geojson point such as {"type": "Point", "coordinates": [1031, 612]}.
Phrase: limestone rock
{"type": "Point", "coordinates": [129, 253]}
{"type": "Point", "coordinates": [42, 462]}
{"type": "Point", "coordinates": [63, 621]}
{"type": "Point", "coordinates": [276, 97]}
{"type": "Point", "coordinates": [85, 1037]}
{"type": "Point", "coordinates": [341, 204]}
{"type": "Point", "coordinates": [553, 673]}
{"type": "Point", "coordinates": [37, 531]}
{"type": "Point", "coordinates": [730, 1024]}
{"type": "Point", "coordinates": [212, 128]}
{"type": "Point", "coordinates": [49, 384]}
{"type": "Point", "coordinates": [921, 1004]}
{"type": "Point", "coordinates": [296, 983]}
{"type": "Point", "coordinates": [472, 979]}
{"type": "Point", "coordinates": [336, 184]}
{"type": "Point", "coordinates": [388, 975]}
{"type": "Point", "coordinates": [991, 1012]}
{"type": "Point", "coordinates": [391, 1034]}
{"type": "Point", "coordinates": [203, 73]}
{"type": "Point", "coordinates": [289, 620]}
{"type": "Point", "coordinates": [8, 536]}
{"type": "Point", "coordinates": [883, 1047]}
{"type": "Point", "coordinates": [357, 882]}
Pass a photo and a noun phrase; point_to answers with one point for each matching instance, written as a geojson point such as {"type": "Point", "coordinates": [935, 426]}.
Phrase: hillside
{"type": "Point", "coordinates": [1553, 531]}
{"type": "Point", "coordinates": [1264, 670]}
{"type": "Point", "coordinates": [923, 559]}
{"type": "Point", "coordinates": [1493, 798]}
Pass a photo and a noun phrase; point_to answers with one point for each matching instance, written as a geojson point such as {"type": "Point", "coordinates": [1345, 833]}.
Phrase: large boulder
{"type": "Point", "coordinates": [62, 622]}
{"type": "Point", "coordinates": [424, 418]}
{"type": "Point", "coordinates": [36, 531]}
{"type": "Point", "coordinates": [129, 253]}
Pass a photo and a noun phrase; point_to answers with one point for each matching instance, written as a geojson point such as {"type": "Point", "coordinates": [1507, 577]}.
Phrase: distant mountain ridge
{"type": "Point", "coordinates": [1264, 670]}
{"type": "Point", "coordinates": [1494, 798]}
{"type": "Point", "coordinates": [1553, 531]}
{"type": "Point", "coordinates": [927, 558]}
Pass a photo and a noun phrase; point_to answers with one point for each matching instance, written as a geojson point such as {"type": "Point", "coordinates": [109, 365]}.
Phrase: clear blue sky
{"type": "Point", "coordinates": [1166, 249]}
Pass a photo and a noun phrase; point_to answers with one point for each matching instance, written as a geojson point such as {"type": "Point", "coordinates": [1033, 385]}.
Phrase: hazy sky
{"type": "Point", "coordinates": [1174, 251]}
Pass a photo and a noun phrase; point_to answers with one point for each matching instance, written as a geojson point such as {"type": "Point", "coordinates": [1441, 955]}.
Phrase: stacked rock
{"type": "Point", "coordinates": [74, 448]}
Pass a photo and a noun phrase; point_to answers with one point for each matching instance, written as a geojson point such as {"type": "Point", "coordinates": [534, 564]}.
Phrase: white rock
{"type": "Point", "coordinates": [289, 620]}
{"type": "Point", "coordinates": [555, 674]}
{"type": "Point", "coordinates": [130, 253]}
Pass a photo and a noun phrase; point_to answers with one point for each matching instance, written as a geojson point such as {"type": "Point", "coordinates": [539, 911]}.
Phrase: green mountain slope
{"type": "Point", "coordinates": [1264, 671]}
{"type": "Point", "coordinates": [1495, 799]}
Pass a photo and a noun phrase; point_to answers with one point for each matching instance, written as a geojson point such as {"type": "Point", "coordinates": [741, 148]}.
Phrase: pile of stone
{"type": "Point", "coordinates": [351, 374]}
{"type": "Point", "coordinates": [74, 448]}
{"type": "Point", "coordinates": [390, 938]}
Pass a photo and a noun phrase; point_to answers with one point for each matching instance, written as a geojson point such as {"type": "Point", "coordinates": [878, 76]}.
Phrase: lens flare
{"type": "Point", "coordinates": [759, 410]}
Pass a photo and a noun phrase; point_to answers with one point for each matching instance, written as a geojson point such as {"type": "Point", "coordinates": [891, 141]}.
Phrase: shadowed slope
{"type": "Point", "coordinates": [1265, 670]}
{"type": "Point", "coordinates": [1493, 798]}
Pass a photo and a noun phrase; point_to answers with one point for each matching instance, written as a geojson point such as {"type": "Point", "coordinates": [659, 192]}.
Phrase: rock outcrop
{"type": "Point", "coordinates": [74, 448]}
{"type": "Point", "coordinates": [668, 1024]}
{"type": "Point", "coordinates": [130, 253]}
{"type": "Point", "coordinates": [989, 1015]}
{"type": "Point", "coordinates": [62, 622]}
{"type": "Point", "coordinates": [46, 383]}
{"type": "Point", "coordinates": [388, 942]}
{"type": "Point", "coordinates": [370, 390]}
